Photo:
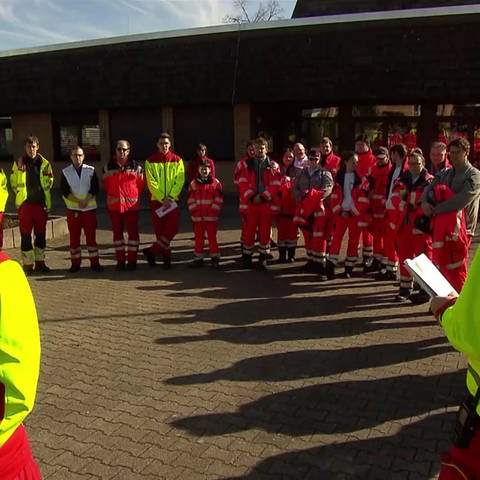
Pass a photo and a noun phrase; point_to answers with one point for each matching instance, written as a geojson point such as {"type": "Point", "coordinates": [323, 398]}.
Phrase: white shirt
{"type": "Point", "coordinates": [348, 183]}
{"type": "Point", "coordinates": [396, 174]}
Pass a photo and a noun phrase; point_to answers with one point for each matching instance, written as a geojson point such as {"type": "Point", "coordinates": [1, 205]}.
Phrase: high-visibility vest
{"type": "Point", "coordinates": [80, 186]}
{"type": "Point", "coordinates": [19, 348]}
{"type": "Point", "coordinates": [18, 180]}
{"type": "Point", "coordinates": [3, 190]}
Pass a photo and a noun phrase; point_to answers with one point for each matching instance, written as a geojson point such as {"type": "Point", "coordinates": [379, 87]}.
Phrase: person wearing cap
{"type": "Point", "coordinates": [447, 209]}
{"type": "Point", "coordinates": [366, 161]}
{"type": "Point", "coordinates": [378, 195]}
{"type": "Point", "coordinates": [310, 188]}
{"type": "Point", "coordinates": [31, 180]}
{"type": "Point", "coordinates": [79, 185]}
{"type": "Point", "coordinates": [258, 183]}
{"type": "Point", "coordinates": [124, 183]}
{"type": "Point", "coordinates": [459, 318]}
{"type": "Point", "coordinates": [19, 370]}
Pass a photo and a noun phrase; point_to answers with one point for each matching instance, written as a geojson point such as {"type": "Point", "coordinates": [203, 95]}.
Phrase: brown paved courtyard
{"type": "Point", "coordinates": [198, 374]}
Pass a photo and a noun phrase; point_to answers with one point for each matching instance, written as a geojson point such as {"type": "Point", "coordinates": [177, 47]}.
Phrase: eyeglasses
{"type": "Point", "coordinates": [120, 149]}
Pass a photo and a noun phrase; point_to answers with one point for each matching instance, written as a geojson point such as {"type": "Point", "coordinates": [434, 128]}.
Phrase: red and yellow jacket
{"type": "Point", "coordinates": [20, 364]}
{"type": "Point", "coordinates": [124, 185]}
{"type": "Point", "coordinates": [165, 174]}
{"type": "Point", "coordinates": [205, 199]}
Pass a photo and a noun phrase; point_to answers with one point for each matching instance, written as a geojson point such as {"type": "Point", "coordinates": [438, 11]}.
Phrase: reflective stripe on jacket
{"type": "Point", "coordinates": [205, 200]}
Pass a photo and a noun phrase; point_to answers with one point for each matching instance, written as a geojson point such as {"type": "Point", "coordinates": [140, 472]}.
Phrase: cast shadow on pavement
{"type": "Point", "coordinates": [411, 452]}
{"type": "Point", "coordinates": [358, 405]}
{"type": "Point", "coordinates": [294, 365]}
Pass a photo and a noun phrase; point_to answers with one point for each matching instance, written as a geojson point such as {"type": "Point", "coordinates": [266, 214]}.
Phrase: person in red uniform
{"type": "Point", "coordinates": [258, 182]}
{"type": "Point", "coordinates": [124, 183]}
{"type": "Point", "coordinates": [79, 185]}
{"type": "Point", "coordinates": [349, 201]}
{"type": "Point", "coordinates": [378, 194]}
{"type": "Point", "coordinates": [194, 163]}
{"type": "Point", "coordinates": [366, 161]}
{"type": "Point", "coordinates": [310, 189]}
{"type": "Point", "coordinates": [406, 203]}
{"type": "Point", "coordinates": [205, 199]}
{"type": "Point", "coordinates": [286, 228]}
{"type": "Point", "coordinates": [19, 369]}
{"type": "Point", "coordinates": [31, 180]}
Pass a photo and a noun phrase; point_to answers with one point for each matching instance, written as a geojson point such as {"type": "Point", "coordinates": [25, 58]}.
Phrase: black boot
{"type": "Point", "coordinates": [375, 266]}
{"type": "Point", "coordinates": [282, 255]}
{"type": "Point", "coordinates": [246, 261]}
{"type": "Point", "coordinates": [262, 261]}
{"type": "Point", "coordinates": [322, 272]}
{"type": "Point", "coordinates": [330, 269]}
{"type": "Point", "coordinates": [348, 272]}
{"type": "Point", "coordinates": [291, 254]}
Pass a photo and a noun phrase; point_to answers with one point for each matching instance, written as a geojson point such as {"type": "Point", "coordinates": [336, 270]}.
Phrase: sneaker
{"type": "Point", "coordinates": [95, 267]}
{"type": "Point", "coordinates": [131, 267]}
{"type": "Point", "coordinates": [120, 267]}
{"type": "Point", "coordinates": [403, 295]}
{"type": "Point", "coordinates": [74, 269]}
{"type": "Point", "coordinates": [420, 297]}
{"type": "Point", "coordinates": [149, 257]}
{"type": "Point", "coordinates": [42, 268]}
{"type": "Point", "coordinates": [197, 263]}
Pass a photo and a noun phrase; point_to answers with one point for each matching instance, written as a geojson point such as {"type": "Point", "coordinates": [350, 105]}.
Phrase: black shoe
{"type": "Point", "coordinates": [215, 263]}
{"type": "Point", "coordinates": [348, 272]}
{"type": "Point", "coordinates": [374, 266]}
{"type": "Point", "coordinates": [167, 262]}
{"type": "Point", "coordinates": [403, 295]}
{"type": "Point", "coordinates": [197, 263]}
{"type": "Point", "coordinates": [282, 255]}
{"type": "Point", "coordinates": [74, 269]}
{"type": "Point", "coordinates": [42, 268]}
{"type": "Point", "coordinates": [291, 254]}
{"type": "Point", "coordinates": [120, 267]}
{"type": "Point", "coordinates": [386, 275]}
{"type": "Point", "coordinates": [131, 267]}
{"type": "Point", "coordinates": [309, 266]}
{"type": "Point", "coordinates": [268, 256]}
{"type": "Point", "coordinates": [262, 261]}
{"type": "Point", "coordinates": [96, 267]}
{"type": "Point", "coordinates": [420, 297]}
{"type": "Point", "coordinates": [246, 261]}
{"type": "Point", "coordinates": [330, 269]}
{"type": "Point", "coordinates": [149, 257]}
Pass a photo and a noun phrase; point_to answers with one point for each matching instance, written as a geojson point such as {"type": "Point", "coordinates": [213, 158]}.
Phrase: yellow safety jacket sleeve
{"type": "Point", "coordinates": [3, 190]}
{"type": "Point", "coordinates": [165, 179]}
{"type": "Point", "coordinates": [461, 323]}
{"type": "Point", "coordinates": [19, 348]}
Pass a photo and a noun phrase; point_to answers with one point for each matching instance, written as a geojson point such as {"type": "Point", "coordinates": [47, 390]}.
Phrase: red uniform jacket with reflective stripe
{"type": "Point", "coordinates": [205, 200]}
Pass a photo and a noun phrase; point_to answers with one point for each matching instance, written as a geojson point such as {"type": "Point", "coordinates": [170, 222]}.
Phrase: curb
{"type": "Point", "coordinates": [56, 227]}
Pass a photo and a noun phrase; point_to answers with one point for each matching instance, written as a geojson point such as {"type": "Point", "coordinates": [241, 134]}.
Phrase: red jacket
{"type": "Point", "coordinates": [378, 193]}
{"type": "Point", "coordinates": [205, 200]}
{"type": "Point", "coordinates": [247, 183]}
{"type": "Point", "coordinates": [123, 185]}
{"type": "Point", "coordinates": [366, 161]}
{"type": "Point", "coordinates": [287, 200]}
{"type": "Point", "coordinates": [331, 163]}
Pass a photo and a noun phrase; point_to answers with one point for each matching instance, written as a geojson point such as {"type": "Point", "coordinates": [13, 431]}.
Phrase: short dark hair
{"type": "Point", "coordinates": [438, 145]}
{"type": "Point", "coordinates": [78, 147]}
{"type": "Point", "coordinates": [31, 139]}
{"type": "Point", "coordinates": [326, 140]}
{"type": "Point", "coordinates": [363, 138]}
{"type": "Point", "coordinates": [460, 142]}
{"type": "Point", "coordinates": [400, 149]}
{"type": "Point", "coordinates": [261, 141]}
{"type": "Point", "coordinates": [164, 135]}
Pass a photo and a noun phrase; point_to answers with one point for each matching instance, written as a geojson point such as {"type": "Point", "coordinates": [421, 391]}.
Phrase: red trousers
{"type": "Point", "coordinates": [76, 221]}
{"type": "Point", "coordinates": [452, 262]}
{"type": "Point", "coordinates": [390, 257]}
{"type": "Point", "coordinates": [120, 222]}
{"type": "Point", "coordinates": [377, 229]}
{"type": "Point", "coordinates": [286, 231]}
{"type": "Point", "coordinates": [165, 228]}
{"type": "Point", "coordinates": [315, 240]}
{"type": "Point", "coordinates": [199, 230]}
{"type": "Point", "coordinates": [16, 461]}
{"type": "Point", "coordinates": [462, 463]}
{"type": "Point", "coordinates": [258, 219]}
{"type": "Point", "coordinates": [367, 243]}
{"type": "Point", "coordinates": [342, 224]}
{"type": "Point", "coordinates": [1, 230]}
{"type": "Point", "coordinates": [32, 216]}
{"type": "Point", "coordinates": [411, 245]}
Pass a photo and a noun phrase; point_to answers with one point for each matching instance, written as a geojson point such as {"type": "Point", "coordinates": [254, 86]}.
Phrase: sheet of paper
{"type": "Point", "coordinates": [429, 277]}
{"type": "Point", "coordinates": [162, 211]}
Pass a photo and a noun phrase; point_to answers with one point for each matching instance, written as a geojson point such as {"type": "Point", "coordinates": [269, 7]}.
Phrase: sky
{"type": "Point", "coordinates": [32, 23]}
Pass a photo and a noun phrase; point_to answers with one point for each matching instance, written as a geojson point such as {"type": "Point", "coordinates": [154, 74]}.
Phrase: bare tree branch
{"type": "Point", "coordinates": [266, 11]}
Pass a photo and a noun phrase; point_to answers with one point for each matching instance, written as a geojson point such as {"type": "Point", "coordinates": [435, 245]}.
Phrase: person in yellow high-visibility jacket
{"type": "Point", "coordinates": [3, 201]}
{"type": "Point", "coordinates": [31, 181]}
{"type": "Point", "coordinates": [19, 369]}
{"type": "Point", "coordinates": [460, 319]}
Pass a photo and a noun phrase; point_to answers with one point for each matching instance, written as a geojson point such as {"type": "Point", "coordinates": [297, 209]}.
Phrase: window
{"type": "Point", "coordinates": [86, 136]}
{"type": "Point", "coordinates": [386, 111]}
{"type": "Point", "coordinates": [6, 142]}
{"type": "Point", "coordinates": [320, 122]}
